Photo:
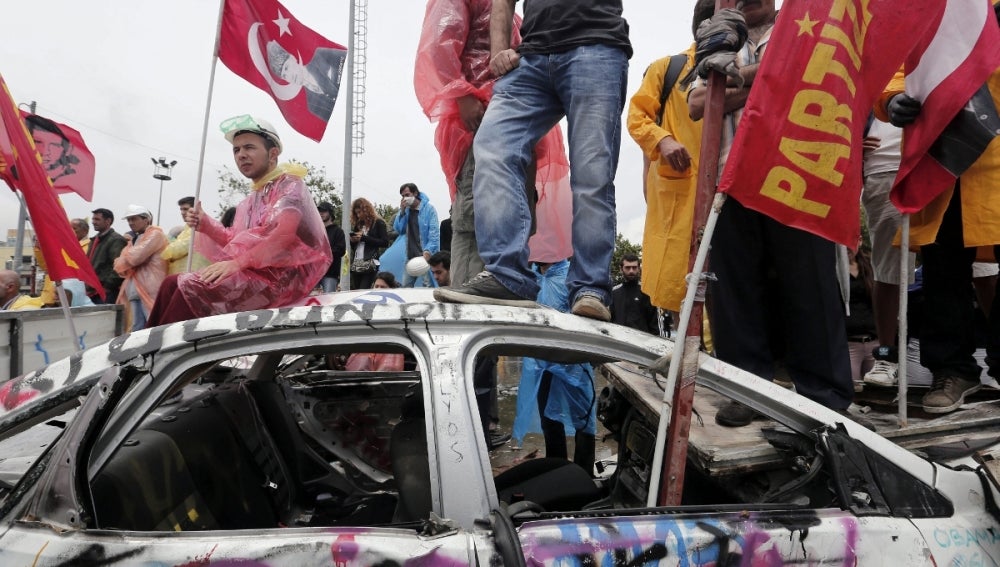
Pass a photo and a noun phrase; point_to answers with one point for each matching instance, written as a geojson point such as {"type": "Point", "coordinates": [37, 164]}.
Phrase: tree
{"type": "Point", "coordinates": [387, 211]}
{"type": "Point", "coordinates": [233, 187]}
{"type": "Point", "coordinates": [622, 247]}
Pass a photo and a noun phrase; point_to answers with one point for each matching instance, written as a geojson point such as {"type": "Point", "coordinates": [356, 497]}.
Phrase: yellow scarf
{"type": "Point", "coordinates": [298, 170]}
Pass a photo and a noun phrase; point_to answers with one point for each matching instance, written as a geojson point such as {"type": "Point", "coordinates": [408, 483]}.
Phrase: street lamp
{"type": "Point", "coordinates": [161, 171]}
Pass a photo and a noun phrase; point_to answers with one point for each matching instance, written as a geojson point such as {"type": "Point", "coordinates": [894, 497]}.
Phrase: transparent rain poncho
{"type": "Point", "coordinates": [452, 61]}
{"type": "Point", "coordinates": [277, 238]}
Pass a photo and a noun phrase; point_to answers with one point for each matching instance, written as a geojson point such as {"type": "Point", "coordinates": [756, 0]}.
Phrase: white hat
{"type": "Point", "coordinates": [417, 266]}
{"type": "Point", "coordinates": [137, 211]}
{"type": "Point", "coordinates": [246, 123]}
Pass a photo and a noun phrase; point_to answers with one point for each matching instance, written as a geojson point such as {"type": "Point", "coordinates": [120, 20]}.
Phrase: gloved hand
{"type": "Point", "coordinates": [903, 110]}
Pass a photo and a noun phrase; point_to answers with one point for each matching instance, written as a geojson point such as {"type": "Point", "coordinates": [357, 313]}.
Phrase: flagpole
{"type": "Point", "coordinates": [345, 283]}
{"type": "Point", "coordinates": [64, 304]}
{"type": "Point", "coordinates": [670, 455]}
{"type": "Point", "coordinates": [204, 129]}
{"type": "Point", "coordinates": [904, 300]}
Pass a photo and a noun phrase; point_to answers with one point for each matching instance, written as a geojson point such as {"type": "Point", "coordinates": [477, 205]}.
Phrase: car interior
{"type": "Point", "coordinates": [296, 439]}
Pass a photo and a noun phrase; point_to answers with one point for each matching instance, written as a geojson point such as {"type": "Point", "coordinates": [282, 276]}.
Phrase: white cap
{"type": "Point", "coordinates": [256, 126]}
{"type": "Point", "coordinates": [417, 266]}
{"type": "Point", "coordinates": [137, 211]}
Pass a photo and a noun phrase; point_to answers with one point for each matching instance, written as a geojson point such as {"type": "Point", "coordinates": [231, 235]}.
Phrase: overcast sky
{"type": "Point", "coordinates": [133, 78]}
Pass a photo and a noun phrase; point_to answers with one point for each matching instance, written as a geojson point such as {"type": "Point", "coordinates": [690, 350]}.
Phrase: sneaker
{"type": "Point", "coordinates": [498, 438]}
{"type": "Point", "coordinates": [948, 392]}
{"type": "Point", "coordinates": [735, 414]}
{"type": "Point", "coordinates": [883, 373]}
{"type": "Point", "coordinates": [482, 289]}
{"type": "Point", "coordinates": [590, 306]}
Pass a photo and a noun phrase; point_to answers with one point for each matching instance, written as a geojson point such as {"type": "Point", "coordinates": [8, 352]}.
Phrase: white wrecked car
{"type": "Point", "coordinates": [230, 441]}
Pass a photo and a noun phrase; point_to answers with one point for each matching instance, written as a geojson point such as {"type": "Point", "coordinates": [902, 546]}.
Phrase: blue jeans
{"type": "Point", "coordinates": [138, 314]}
{"type": "Point", "coordinates": [329, 284]}
{"type": "Point", "coordinates": [587, 86]}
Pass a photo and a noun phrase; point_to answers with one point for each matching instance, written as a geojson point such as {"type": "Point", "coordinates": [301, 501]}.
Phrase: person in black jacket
{"type": "Point", "coordinates": [629, 305]}
{"type": "Point", "coordinates": [338, 246]}
{"type": "Point", "coordinates": [104, 248]}
{"type": "Point", "coordinates": [368, 237]}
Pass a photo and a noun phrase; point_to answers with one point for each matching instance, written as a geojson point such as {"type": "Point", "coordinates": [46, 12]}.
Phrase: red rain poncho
{"type": "Point", "coordinates": [453, 60]}
{"type": "Point", "coordinates": [277, 238]}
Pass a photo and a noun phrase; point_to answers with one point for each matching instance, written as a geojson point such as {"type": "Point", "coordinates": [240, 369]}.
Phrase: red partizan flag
{"type": "Point", "coordinates": [21, 166]}
{"type": "Point", "coordinates": [947, 72]}
{"type": "Point", "coordinates": [796, 156]}
{"type": "Point", "coordinates": [263, 43]}
{"type": "Point", "coordinates": [65, 156]}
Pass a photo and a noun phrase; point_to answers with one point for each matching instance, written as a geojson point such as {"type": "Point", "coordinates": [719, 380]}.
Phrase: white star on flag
{"type": "Point", "coordinates": [282, 23]}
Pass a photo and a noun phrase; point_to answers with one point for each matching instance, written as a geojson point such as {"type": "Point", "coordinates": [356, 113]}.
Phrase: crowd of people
{"type": "Point", "coordinates": [498, 86]}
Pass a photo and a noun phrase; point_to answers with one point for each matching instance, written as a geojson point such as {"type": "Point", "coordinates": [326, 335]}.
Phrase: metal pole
{"type": "Point", "coordinates": [345, 283]}
{"type": "Point", "coordinates": [204, 129]}
{"type": "Point", "coordinates": [674, 433]}
{"type": "Point", "coordinates": [159, 205]}
{"type": "Point", "coordinates": [904, 300]}
{"type": "Point", "coordinates": [22, 220]}
{"type": "Point", "coordinates": [64, 304]}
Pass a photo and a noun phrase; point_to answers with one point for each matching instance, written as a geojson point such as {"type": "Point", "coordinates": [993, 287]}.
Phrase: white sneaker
{"type": "Point", "coordinates": [884, 374]}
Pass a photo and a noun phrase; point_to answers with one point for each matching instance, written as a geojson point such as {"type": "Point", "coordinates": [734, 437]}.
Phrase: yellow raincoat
{"type": "Point", "coordinates": [980, 183]}
{"type": "Point", "coordinates": [670, 194]}
{"type": "Point", "coordinates": [176, 254]}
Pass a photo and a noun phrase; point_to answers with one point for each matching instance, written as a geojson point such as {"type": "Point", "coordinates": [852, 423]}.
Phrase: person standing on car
{"type": "Point", "coordinates": [338, 246]}
{"type": "Point", "coordinates": [572, 63]}
{"type": "Point", "coordinates": [369, 236]}
{"type": "Point", "coordinates": [747, 246]}
{"type": "Point", "coordinates": [274, 254]}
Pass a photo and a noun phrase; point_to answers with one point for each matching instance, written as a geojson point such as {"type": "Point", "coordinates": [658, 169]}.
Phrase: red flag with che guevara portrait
{"type": "Point", "coordinates": [66, 158]}
{"type": "Point", "coordinates": [21, 167]}
{"type": "Point", "coordinates": [263, 43]}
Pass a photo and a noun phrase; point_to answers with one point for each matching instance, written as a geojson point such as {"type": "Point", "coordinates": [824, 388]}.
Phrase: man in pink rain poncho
{"type": "Point", "coordinates": [453, 83]}
{"type": "Point", "coordinates": [275, 252]}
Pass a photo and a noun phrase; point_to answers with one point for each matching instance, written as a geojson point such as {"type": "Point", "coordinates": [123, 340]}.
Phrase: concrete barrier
{"type": "Point", "coordinates": [31, 339]}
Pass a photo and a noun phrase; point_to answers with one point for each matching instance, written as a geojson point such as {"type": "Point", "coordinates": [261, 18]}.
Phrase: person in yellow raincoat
{"type": "Point", "coordinates": [956, 227]}
{"type": "Point", "coordinates": [141, 265]}
{"type": "Point", "coordinates": [671, 150]}
{"type": "Point", "coordinates": [176, 252]}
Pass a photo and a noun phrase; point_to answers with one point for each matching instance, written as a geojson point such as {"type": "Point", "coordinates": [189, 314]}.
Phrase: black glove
{"type": "Point", "coordinates": [903, 110]}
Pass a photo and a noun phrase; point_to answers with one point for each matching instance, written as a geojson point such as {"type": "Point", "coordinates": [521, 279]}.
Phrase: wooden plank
{"type": "Point", "coordinates": [720, 451]}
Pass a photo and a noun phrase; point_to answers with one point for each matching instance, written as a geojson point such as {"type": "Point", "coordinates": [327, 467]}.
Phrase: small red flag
{"type": "Point", "coordinates": [66, 158]}
{"type": "Point", "coordinates": [21, 167]}
{"type": "Point", "coordinates": [796, 156]}
{"type": "Point", "coordinates": [263, 43]}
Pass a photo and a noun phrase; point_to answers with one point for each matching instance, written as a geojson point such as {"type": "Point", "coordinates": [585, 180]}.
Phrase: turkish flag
{"type": "Point", "coordinates": [263, 43]}
{"type": "Point", "coordinates": [21, 167]}
{"type": "Point", "coordinates": [947, 72]}
{"type": "Point", "coordinates": [796, 156]}
{"type": "Point", "coordinates": [65, 156]}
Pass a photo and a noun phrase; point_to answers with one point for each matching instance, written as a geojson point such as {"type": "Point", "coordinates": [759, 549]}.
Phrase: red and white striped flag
{"type": "Point", "coordinates": [944, 72]}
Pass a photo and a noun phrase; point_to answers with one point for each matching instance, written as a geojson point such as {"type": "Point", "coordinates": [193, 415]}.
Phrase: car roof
{"type": "Point", "coordinates": [75, 375]}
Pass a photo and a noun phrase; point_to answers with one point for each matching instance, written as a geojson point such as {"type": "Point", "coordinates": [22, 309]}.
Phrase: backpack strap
{"type": "Point", "coordinates": [669, 80]}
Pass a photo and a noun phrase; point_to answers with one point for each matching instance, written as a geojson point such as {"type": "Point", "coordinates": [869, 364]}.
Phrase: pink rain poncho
{"type": "Point", "coordinates": [453, 60]}
{"type": "Point", "coordinates": [141, 265]}
{"type": "Point", "coordinates": [277, 238]}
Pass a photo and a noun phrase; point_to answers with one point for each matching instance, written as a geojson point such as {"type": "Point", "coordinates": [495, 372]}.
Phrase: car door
{"type": "Point", "coordinates": [53, 527]}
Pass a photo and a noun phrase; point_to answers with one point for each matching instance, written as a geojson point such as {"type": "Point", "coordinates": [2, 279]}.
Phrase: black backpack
{"type": "Point", "coordinates": [669, 80]}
